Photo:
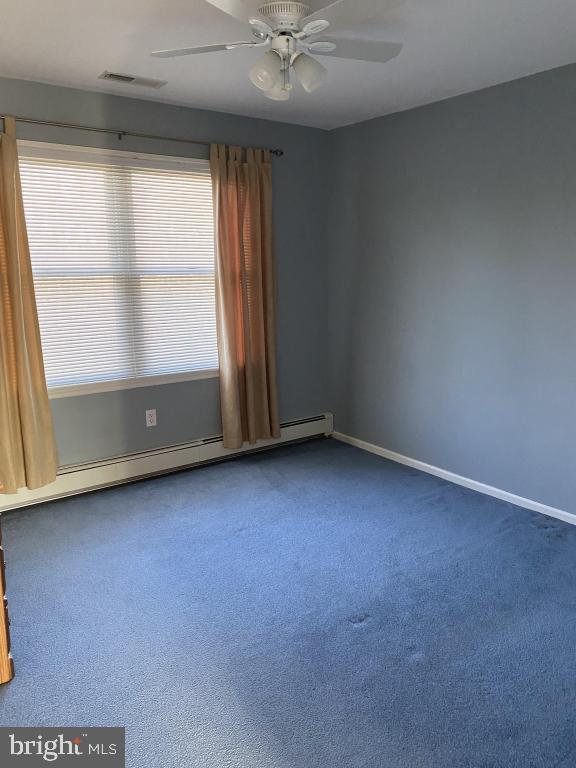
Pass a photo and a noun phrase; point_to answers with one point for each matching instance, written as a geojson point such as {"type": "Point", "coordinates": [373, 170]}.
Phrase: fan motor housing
{"type": "Point", "coordinates": [284, 15]}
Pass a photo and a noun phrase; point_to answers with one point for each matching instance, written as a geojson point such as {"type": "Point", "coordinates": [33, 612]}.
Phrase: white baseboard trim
{"type": "Point", "coordinates": [81, 478]}
{"type": "Point", "coordinates": [488, 490]}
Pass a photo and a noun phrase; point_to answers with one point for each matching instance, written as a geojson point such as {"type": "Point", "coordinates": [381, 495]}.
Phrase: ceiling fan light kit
{"type": "Point", "coordinates": [288, 29]}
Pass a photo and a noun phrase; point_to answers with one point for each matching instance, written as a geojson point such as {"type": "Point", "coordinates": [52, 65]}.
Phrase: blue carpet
{"type": "Point", "coordinates": [310, 607]}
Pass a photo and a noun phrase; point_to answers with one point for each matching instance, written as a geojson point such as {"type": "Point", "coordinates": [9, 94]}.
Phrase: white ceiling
{"type": "Point", "coordinates": [450, 47]}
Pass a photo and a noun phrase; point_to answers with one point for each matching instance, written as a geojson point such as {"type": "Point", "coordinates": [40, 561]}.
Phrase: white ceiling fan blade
{"type": "Point", "coordinates": [361, 50]}
{"type": "Point", "coordinates": [173, 52]}
{"type": "Point", "coordinates": [351, 12]}
{"type": "Point", "coordinates": [236, 8]}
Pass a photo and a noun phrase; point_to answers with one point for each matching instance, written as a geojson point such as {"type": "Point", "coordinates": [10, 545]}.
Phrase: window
{"type": "Point", "coordinates": [122, 249]}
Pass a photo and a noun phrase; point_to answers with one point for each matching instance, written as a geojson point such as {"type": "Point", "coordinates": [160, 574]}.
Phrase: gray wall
{"type": "Point", "coordinates": [109, 424]}
{"type": "Point", "coordinates": [435, 249]}
{"type": "Point", "coordinates": [453, 292]}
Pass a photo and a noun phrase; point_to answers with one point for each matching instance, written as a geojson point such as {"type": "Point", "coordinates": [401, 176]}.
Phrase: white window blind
{"type": "Point", "coordinates": [122, 249]}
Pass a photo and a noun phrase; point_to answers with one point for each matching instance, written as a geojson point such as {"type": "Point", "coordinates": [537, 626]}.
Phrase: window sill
{"type": "Point", "coordinates": [95, 387]}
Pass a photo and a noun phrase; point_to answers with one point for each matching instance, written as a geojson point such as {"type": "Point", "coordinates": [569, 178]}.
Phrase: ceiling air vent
{"type": "Point", "coordinates": [120, 77]}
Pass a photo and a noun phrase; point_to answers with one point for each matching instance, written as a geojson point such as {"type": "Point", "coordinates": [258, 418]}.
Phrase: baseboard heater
{"type": "Point", "coordinates": [80, 478]}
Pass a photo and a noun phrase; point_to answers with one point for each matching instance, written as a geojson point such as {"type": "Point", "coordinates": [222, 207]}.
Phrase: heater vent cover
{"type": "Point", "coordinates": [121, 77]}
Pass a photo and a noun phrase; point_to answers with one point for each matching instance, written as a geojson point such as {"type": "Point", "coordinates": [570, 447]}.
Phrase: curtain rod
{"type": "Point", "coordinates": [122, 134]}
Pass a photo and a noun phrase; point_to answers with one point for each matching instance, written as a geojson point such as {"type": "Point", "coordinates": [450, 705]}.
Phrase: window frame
{"type": "Point", "coordinates": [29, 148]}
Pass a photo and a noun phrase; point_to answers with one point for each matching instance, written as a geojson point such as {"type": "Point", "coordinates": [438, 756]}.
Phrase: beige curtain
{"type": "Point", "coordinates": [242, 182]}
{"type": "Point", "coordinates": [27, 448]}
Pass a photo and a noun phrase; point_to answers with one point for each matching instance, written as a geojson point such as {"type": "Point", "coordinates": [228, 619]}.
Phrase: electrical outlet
{"type": "Point", "coordinates": [151, 417]}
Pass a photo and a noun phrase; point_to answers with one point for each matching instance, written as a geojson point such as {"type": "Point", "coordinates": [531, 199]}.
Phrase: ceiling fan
{"type": "Point", "coordinates": [291, 31]}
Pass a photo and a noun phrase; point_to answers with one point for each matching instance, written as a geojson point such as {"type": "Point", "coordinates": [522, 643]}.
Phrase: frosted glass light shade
{"type": "Point", "coordinates": [277, 93]}
{"type": "Point", "coordinates": [309, 71]}
{"type": "Point", "coordinates": [266, 72]}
